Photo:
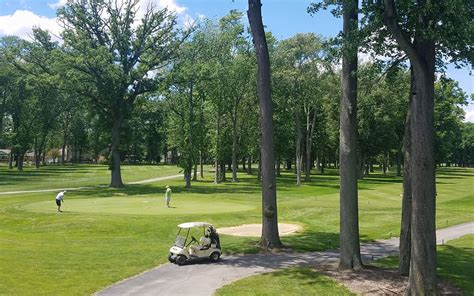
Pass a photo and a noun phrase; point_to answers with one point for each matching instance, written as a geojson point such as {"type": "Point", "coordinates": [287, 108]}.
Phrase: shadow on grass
{"type": "Point", "coordinates": [311, 241]}
{"type": "Point", "coordinates": [455, 264]}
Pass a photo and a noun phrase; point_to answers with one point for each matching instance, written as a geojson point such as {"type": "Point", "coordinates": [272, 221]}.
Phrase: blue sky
{"type": "Point", "coordinates": [283, 18]}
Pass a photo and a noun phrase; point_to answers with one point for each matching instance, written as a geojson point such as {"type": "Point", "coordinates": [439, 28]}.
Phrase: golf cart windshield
{"type": "Point", "coordinates": [180, 241]}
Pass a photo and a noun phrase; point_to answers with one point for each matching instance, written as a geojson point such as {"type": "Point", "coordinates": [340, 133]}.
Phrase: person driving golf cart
{"type": "Point", "coordinates": [204, 243]}
{"type": "Point", "coordinates": [187, 247]}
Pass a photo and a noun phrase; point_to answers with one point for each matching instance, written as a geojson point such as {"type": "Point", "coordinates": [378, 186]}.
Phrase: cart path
{"type": "Point", "coordinates": [91, 187]}
{"type": "Point", "coordinates": [204, 278]}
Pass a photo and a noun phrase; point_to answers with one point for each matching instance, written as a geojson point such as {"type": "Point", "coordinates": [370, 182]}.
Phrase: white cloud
{"type": "Point", "coordinates": [58, 4]}
{"type": "Point", "coordinates": [170, 4]}
{"type": "Point", "coordinates": [469, 117]}
{"type": "Point", "coordinates": [21, 23]}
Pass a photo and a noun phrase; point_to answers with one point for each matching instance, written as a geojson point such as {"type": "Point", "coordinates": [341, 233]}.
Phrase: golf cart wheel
{"type": "Point", "coordinates": [180, 260]}
{"type": "Point", "coordinates": [215, 256]}
{"type": "Point", "coordinates": [170, 258]}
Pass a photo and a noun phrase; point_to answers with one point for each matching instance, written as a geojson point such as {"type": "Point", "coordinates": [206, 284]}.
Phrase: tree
{"type": "Point", "coordinates": [349, 211]}
{"type": "Point", "coordinates": [270, 237]}
{"type": "Point", "coordinates": [115, 58]}
{"type": "Point", "coordinates": [298, 60]}
{"type": "Point", "coordinates": [425, 31]}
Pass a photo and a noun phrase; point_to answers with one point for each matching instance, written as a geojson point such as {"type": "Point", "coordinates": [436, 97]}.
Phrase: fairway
{"type": "Point", "coordinates": [106, 235]}
{"type": "Point", "coordinates": [139, 205]}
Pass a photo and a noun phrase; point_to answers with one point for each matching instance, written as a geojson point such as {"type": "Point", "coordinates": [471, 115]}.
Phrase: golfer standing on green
{"type": "Point", "coordinates": [168, 195]}
{"type": "Point", "coordinates": [60, 199]}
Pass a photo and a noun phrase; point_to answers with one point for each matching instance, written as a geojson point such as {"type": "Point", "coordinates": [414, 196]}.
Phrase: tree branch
{"type": "Point", "coordinates": [390, 20]}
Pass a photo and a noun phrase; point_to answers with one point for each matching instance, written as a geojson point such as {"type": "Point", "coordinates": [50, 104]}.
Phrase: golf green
{"type": "Point", "coordinates": [138, 206]}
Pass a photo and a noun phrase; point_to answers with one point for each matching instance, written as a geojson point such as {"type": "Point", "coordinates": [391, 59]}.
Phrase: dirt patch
{"type": "Point", "coordinates": [255, 230]}
{"type": "Point", "coordinates": [378, 281]}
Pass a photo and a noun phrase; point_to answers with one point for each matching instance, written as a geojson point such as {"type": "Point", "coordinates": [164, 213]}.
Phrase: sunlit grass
{"type": "Point", "coordinates": [455, 262]}
{"type": "Point", "coordinates": [291, 281]}
{"type": "Point", "coordinates": [94, 245]}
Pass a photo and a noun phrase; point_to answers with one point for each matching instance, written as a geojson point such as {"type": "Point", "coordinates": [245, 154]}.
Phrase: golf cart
{"type": "Point", "coordinates": [187, 247]}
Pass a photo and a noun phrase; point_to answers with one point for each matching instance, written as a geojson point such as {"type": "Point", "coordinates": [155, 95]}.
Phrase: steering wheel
{"type": "Point", "coordinates": [193, 239]}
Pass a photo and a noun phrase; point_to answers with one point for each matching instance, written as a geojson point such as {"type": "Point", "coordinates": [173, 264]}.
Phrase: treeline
{"type": "Point", "coordinates": [119, 90]}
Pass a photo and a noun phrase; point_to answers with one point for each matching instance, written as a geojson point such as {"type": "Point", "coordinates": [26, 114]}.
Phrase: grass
{"type": "Point", "coordinates": [454, 263]}
{"type": "Point", "coordinates": [291, 281]}
{"type": "Point", "coordinates": [107, 234]}
{"type": "Point", "coordinates": [59, 176]}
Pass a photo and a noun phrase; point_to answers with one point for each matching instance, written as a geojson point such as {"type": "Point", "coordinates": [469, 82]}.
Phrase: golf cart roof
{"type": "Point", "coordinates": [194, 224]}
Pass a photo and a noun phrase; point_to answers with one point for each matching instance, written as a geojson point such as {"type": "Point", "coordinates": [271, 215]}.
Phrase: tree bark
{"type": "Point", "coordinates": [21, 158]}
{"type": "Point", "coordinates": [223, 176]}
{"type": "Point", "coordinates": [309, 140]}
{"type": "Point", "coordinates": [421, 52]}
{"type": "Point", "coordinates": [349, 208]}
{"type": "Point", "coordinates": [10, 161]}
{"type": "Point", "coordinates": [195, 172]}
{"type": "Point", "coordinates": [299, 155]}
{"type": "Point", "coordinates": [116, 176]}
{"type": "Point", "coordinates": [270, 237]}
{"type": "Point", "coordinates": [217, 177]}
{"type": "Point", "coordinates": [234, 144]}
{"type": "Point", "coordinates": [405, 229]}
{"type": "Point", "coordinates": [422, 279]}
{"type": "Point", "coordinates": [63, 152]}
{"type": "Point", "coordinates": [249, 165]}
{"type": "Point", "coordinates": [201, 165]}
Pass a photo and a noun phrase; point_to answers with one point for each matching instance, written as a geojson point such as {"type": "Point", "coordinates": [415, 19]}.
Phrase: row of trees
{"type": "Point", "coordinates": [424, 33]}
{"type": "Point", "coordinates": [198, 99]}
{"type": "Point", "coordinates": [137, 86]}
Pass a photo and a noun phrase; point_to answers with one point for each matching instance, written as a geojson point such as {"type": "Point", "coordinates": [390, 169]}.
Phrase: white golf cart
{"type": "Point", "coordinates": [187, 247]}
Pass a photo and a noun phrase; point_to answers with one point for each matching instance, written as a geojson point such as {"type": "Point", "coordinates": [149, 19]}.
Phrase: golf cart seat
{"type": "Point", "coordinates": [205, 243]}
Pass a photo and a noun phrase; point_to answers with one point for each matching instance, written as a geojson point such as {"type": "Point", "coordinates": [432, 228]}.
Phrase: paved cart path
{"type": "Point", "coordinates": [204, 278]}
{"type": "Point", "coordinates": [91, 187]}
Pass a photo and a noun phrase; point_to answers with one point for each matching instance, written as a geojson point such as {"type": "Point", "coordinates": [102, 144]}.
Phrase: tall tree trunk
{"type": "Point", "coordinates": [299, 155]}
{"type": "Point", "coordinates": [63, 153]}
{"type": "Point", "coordinates": [201, 164]}
{"type": "Point", "coordinates": [10, 161]}
{"type": "Point", "coordinates": [20, 161]}
{"type": "Point", "coordinates": [243, 164]}
{"type": "Point", "coordinates": [309, 141]}
{"type": "Point", "coordinates": [422, 279]}
{"type": "Point", "coordinates": [323, 164]}
{"type": "Point", "coordinates": [187, 178]}
{"type": "Point", "coordinates": [217, 171]}
{"type": "Point", "coordinates": [195, 172]}
{"type": "Point", "coordinates": [421, 52]}
{"type": "Point", "coordinates": [116, 176]}
{"type": "Point", "coordinates": [234, 146]}
{"type": "Point", "coordinates": [37, 152]}
{"type": "Point", "coordinates": [405, 228]}
{"type": "Point", "coordinates": [270, 237]}
{"type": "Point", "coordinates": [399, 162]}
{"type": "Point", "coordinates": [249, 165]}
{"type": "Point", "coordinates": [349, 207]}
{"type": "Point", "coordinates": [217, 177]}
{"type": "Point", "coordinates": [223, 176]}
